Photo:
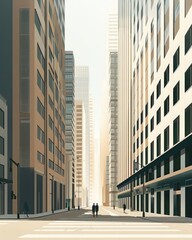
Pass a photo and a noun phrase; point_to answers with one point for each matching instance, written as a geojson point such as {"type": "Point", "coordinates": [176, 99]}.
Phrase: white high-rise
{"type": "Point", "coordinates": [159, 129]}
{"type": "Point", "coordinates": [113, 106]}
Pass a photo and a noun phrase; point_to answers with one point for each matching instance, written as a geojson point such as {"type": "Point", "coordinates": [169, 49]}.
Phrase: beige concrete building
{"type": "Point", "coordinates": [161, 107]}
{"type": "Point", "coordinates": [36, 104]}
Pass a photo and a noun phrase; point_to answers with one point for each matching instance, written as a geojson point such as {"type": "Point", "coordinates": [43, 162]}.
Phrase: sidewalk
{"type": "Point", "coordinates": [31, 216]}
{"type": "Point", "coordinates": [154, 217]}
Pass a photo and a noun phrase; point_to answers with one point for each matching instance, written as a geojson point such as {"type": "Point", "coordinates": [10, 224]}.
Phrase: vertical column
{"type": "Point", "coordinates": [183, 202]}
{"type": "Point", "coordinates": [162, 202]}
{"type": "Point", "coordinates": [149, 202]}
{"type": "Point", "coordinates": [171, 164]}
{"type": "Point", "coordinates": [155, 202]}
{"type": "Point", "coordinates": [171, 203]}
{"type": "Point", "coordinates": [182, 158]}
{"type": "Point", "coordinates": [162, 169]}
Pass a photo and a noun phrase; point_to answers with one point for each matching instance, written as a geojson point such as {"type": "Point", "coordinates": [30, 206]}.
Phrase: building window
{"type": "Point", "coordinates": [38, 23]}
{"type": "Point", "coordinates": [166, 139]}
{"type": "Point", "coordinates": [51, 104]}
{"type": "Point", "coordinates": [152, 100]}
{"type": "Point", "coordinates": [188, 122]}
{"type": "Point", "coordinates": [176, 93]}
{"type": "Point", "coordinates": [2, 118]}
{"type": "Point", "coordinates": [51, 82]}
{"type": "Point", "coordinates": [141, 117]}
{"type": "Point", "coordinates": [158, 116]}
{"type": "Point", "coordinates": [134, 131]}
{"type": "Point", "coordinates": [188, 39]}
{"type": "Point", "coordinates": [152, 124]}
{"type": "Point", "coordinates": [166, 76]}
{"type": "Point", "coordinates": [40, 134]}
{"type": "Point", "coordinates": [40, 57]}
{"type": "Point", "coordinates": [188, 4]}
{"type": "Point", "coordinates": [51, 146]}
{"type": "Point", "coordinates": [40, 157]}
{"type": "Point", "coordinates": [176, 130]}
{"type": "Point", "coordinates": [141, 138]}
{"type": "Point", "coordinates": [146, 156]}
{"type": "Point", "coordinates": [40, 83]}
{"type": "Point", "coordinates": [159, 89]}
{"type": "Point", "coordinates": [188, 78]}
{"type": "Point", "coordinates": [134, 147]}
{"type": "Point", "coordinates": [137, 142]}
{"type": "Point", "coordinates": [176, 60]}
{"type": "Point", "coordinates": [2, 146]}
{"type": "Point", "coordinates": [146, 132]}
{"type": "Point", "coordinates": [158, 145]}
{"type": "Point", "coordinates": [51, 124]}
{"type": "Point", "coordinates": [152, 151]}
{"type": "Point", "coordinates": [158, 168]}
{"type": "Point", "coordinates": [176, 162]}
{"type": "Point", "coordinates": [166, 166]}
{"type": "Point", "coordinates": [146, 110]}
{"type": "Point", "coordinates": [40, 108]}
{"type": "Point", "coordinates": [166, 106]}
{"type": "Point", "coordinates": [188, 156]}
{"type": "Point", "coordinates": [137, 124]}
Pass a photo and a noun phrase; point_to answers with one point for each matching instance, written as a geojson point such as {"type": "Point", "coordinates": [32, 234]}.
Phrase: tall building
{"type": "Point", "coordinates": [113, 106]}
{"type": "Point", "coordinates": [69, 126]}
{"type": "Point", "coordinates": [91, 194]}
{"type": "Point", "coordinates": [161, 107]}
{"type": "Point", "coordinates": [82, 94]}
{"type": "Point", "coordinates": [3, 157]}
{"type": "Point", "coordinates": [80, 154]}
{"type": "Point", "coordinates": [32, 81]}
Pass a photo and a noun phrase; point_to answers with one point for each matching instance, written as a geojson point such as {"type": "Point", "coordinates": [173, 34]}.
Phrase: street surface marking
{"type": "Point", "coordinates": [101, 223]}
{"type": "Point", "coordinates": [87, 213]}
{"type": "Point", "coordinates": [132, 230]}
{"type": "Point", "coordinates": [91, 226]}
{"type": "Point", "coordinates": [110, 236]}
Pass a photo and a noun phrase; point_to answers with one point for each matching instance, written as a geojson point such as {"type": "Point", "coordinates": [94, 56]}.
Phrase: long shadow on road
{"type": "Point", "coordinates": [84, 215]}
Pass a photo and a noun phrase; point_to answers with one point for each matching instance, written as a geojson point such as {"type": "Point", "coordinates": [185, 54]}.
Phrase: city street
{"type": "Point", "coordinates": [110, 224]}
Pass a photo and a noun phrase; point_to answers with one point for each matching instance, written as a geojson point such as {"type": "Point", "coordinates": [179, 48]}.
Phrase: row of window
{"type": "Point", "coordinates": [2, 118]}
{"type": "Point", "coordinates": [176, 135]}
{"type": "Point", "coordinates": [56, 167]}
{"type": "Point", "coordinates": [163, 168]}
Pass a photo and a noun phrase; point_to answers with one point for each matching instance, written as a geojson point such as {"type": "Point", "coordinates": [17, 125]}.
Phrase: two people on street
{"type": "Point", "coordinates": [95, 209]}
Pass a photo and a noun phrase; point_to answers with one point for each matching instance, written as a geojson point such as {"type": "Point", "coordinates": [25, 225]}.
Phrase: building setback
{"type": "Point", "coordinates": [161, 108]}
{"type": "Point", "coordinates": [33, 84]}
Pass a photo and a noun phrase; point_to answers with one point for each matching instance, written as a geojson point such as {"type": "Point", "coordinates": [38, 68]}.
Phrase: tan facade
{"type": "Point", "coordinates": [38, 105]}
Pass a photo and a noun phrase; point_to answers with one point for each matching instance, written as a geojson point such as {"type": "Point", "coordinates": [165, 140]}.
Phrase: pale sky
{"type": "Point", "coordinates": [86, 36]}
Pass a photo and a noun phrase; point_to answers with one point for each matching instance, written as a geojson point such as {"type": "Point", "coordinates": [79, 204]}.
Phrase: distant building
{"type": "Point", "coordinates": [80, 153]}
{"type": "Point", "coordinates": [3, 157]}
{"type": "Point", "coordinates": [70, 126]}
{"type": "Point", "coordinates": [113, 106]}
{"type": "Point", "coordinates": [82, 94]}
{"type": "Point", "coordinates": [158, 106]}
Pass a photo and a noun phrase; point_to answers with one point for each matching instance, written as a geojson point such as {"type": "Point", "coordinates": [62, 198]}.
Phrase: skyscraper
{"type": "Point", "coordinates": [69, 122]}
{"type": "Point", "coordinates": [113, 106]}
{"type": "Point", "coordinates": [161, 107]}
{"type": "Point", "coordinates": [32, 81]}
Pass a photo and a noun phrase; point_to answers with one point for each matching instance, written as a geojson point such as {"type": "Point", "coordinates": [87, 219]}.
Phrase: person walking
{"type": "Point", "coordinates": [26, 209]}
{"type": "Point", "coordinates": [97, 209]}
{"type": "Point", "coordinates": [93, 209]}
{"type": "Point", "coordinates": [124, 207]}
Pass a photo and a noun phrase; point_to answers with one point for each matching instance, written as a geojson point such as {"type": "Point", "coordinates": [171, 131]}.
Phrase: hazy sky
{"type": "Point", "coordinates": [86, 35]}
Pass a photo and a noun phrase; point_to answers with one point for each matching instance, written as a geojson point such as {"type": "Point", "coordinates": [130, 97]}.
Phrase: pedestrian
{"type": "Point", "coordinates": [124, 207]}
{"type": "Point", "coordinates": [26, 209]}
{"type": "Point", "coordinates": [97, 209]}
{"type": "Point", "coordinates": [93, 209]}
